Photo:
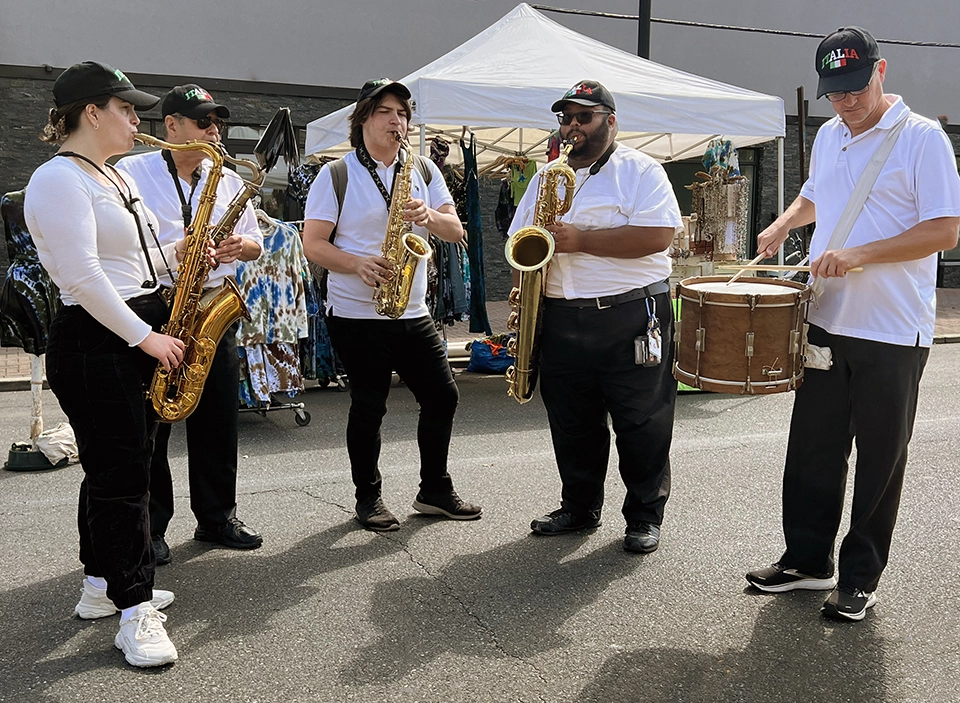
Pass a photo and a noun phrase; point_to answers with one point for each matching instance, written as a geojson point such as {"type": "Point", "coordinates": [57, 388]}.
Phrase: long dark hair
{"type": "Point", "coordinates": [62, 121]}
{"type": "Point", "coordinates": [367, 107]}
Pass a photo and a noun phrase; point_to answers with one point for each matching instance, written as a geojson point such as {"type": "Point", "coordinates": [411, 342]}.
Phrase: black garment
{"type": "Point", "coordinates": [588, 370]}
{"type": "Point", "coordinates": [212, 438]}
{"type": "Point", "coordinates": [29, 300]}
{"type": "Point", "coordinates": [478, 295]}
{"type": "Point", "coordinates": [870, 393]}
{"type": "Point", "coordinates": [100, 383]}
{"type": "Point", "coordinates": [370, 351]}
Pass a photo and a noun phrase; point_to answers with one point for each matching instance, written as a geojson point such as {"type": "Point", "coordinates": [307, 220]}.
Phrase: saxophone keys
{"type": "Point", "coordinates": [513, 323]}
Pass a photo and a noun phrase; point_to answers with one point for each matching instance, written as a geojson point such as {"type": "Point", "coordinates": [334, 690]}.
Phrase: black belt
{"type": "Point", "coordinates": [608, 301]}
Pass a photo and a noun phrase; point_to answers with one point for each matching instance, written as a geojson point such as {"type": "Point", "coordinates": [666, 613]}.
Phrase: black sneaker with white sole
{"type": "Point", "coordinates": [848, 603]}
{"type": "Point", "coordinates": [778, 579]}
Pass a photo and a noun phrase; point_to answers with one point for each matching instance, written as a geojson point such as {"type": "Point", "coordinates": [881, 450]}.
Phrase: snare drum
{"type": "Point", "coordinates": [746, 337]}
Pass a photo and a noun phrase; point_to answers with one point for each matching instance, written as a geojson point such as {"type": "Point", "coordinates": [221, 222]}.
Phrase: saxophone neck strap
{"type": "Point", "coordinates": [129, 202]}
{"type": "Point", "coordinates": [371, 165]}
{"type": "Point", "coordinates": [186, 203]}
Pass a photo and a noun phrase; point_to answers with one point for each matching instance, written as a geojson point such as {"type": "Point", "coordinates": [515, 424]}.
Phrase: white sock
{"type": "Point", "coordinates": [127, 613]}
{"type": "Point", "coordinates": [97, 582]}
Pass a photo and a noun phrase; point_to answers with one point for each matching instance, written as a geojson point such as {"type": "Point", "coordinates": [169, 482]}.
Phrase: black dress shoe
{"type": "Point", "coordinates": [642, 538]}
{"type": "Point", "coordinates": [560, 521]}
{"type": "Point", "coordinates": [160, 550]}
{"type": "Point", "coordinates": [233, 533]}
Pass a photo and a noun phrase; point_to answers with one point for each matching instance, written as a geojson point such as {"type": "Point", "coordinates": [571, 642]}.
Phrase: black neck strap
{"type": "Point", "coordinates": [129, 203]}
{"type": "Point", "coordinates": [186, 203]}
{"type": "Point", "coordinates": [604, 158]}
{"type": "Point", "coordinates": [371, 165]}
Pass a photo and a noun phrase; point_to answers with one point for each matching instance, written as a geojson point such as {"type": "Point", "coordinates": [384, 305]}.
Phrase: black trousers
{"type": "Point", "coordinates": [370, 351]}
{"type": "Point", "coordinates": [588, 370]}
{"type": "Point", "coordinates": [212, 439]}
{"type": "Point", "coordinates": [869, 394]}
{"type": "Point", "coordinates": [100, 383]}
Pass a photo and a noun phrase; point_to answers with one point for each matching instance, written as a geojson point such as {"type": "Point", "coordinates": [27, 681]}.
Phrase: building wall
{"type": "Point", "coordinates": [341, 44]}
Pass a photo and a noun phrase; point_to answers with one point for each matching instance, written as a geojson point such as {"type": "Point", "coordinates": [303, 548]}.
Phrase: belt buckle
{"type": "Point", "coordinates": [602, 307]}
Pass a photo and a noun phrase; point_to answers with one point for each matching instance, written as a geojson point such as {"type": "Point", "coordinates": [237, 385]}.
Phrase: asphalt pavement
{"type": "Point", "coordinates": [483, 610]}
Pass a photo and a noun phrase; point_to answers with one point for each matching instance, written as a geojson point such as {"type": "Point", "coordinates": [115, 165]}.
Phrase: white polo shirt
{"type": "Point", "coordinates": [361, 230]}
{"type": "Point", "coordinates": [630, 189]}
{"type": "Point", "coordinates": [160, 194]}
{"type": "Point", "coordinates": [893, 303]}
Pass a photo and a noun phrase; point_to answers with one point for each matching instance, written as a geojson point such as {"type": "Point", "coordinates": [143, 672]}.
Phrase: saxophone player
{"type": "Point", "coordinates": [344, 232]}
{"type": "Point", "coordinates": [105, 342]}
{"type": "Point", "coordinates": [171, 183]}
{"type": "Point", "coordinates": [606, 341]}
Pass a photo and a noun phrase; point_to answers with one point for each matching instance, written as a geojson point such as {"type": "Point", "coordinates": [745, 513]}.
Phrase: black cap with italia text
{"type": "Point", "coordinates": [586, 93]}
{"type": "Point", "coordinates": [845, 60]}
{"type": "Point", "coordinates": [190, 100]}
{"type": "Point", "coordinates": [375, 87]}
{"type": "Point", "coordinates": [92, 79]}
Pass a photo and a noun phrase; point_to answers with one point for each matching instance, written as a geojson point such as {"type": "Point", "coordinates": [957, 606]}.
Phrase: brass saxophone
{"type": "Point", "coordinates": [199, 319]}
{"type": "Point", "coordinates": [401, 247]}
{"type": "Point", "coordinates": [529, 250]}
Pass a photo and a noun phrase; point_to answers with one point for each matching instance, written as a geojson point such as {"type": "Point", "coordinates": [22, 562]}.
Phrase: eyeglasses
{"type": "Point", "coordinates": [205, 122]}
{"type": "Point", "coordinates": [585, 117]}
{"type": "Point", "coordinates": [842, 94]}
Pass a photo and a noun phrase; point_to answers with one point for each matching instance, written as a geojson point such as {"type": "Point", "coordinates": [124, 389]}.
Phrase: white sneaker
{"type": "Point", "coordinates": [95, 604]}
{"type": "Point", "coordinates": [143, 640]}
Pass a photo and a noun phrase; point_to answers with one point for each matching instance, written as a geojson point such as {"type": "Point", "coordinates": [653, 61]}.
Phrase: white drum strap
{"type": "Point", "coordinates": [860, 194]}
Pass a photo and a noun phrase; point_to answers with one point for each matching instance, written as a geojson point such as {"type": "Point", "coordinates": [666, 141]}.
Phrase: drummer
{"type": "Point", "coordinates": [874, 329]}
{"type": "Point", "coordinates": [607, 324]}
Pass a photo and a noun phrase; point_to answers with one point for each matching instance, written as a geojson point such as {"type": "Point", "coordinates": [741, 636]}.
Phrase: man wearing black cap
{"type": "Point", "coordinates": [873, 328]}
{"type": "Point", "coordinates": [370, 346]}
{"type": "Point", "coordinates": [607, 324]}
{"type": "Point", "coordinates": [171, 183]}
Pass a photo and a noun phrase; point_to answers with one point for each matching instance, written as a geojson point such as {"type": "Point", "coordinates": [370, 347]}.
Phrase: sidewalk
{"type": "Point", "coordinates": [15, 364]}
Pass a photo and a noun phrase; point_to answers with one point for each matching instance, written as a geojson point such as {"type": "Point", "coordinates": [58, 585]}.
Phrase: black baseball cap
{"type": "Point", "coordinates": [191, 101]}
{"type": "Point", "coordinates": [375, 87]}
{"type": "Point", "coordinates": [586, 93]}
{"type": "Point", "coordinates": [91, 79]}
{"type": "Point", "coordinates": [845, 60]}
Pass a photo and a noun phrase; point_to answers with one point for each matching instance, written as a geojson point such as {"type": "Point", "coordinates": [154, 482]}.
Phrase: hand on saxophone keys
{"type": "Point", "coordinates": [417, 212]}
{"type": "Point", "coordinates": [230, 249]}
{"type": "Point", "coordinates": [373, 270]}
{"type": "Point", "coordinates": [167, 350]}
{"type": "Point", "coordinates": [567, 238]}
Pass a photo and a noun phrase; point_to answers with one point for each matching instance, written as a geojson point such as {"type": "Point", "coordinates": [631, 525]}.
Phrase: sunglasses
{"type": "Point", "coordinates": [842, 94]}
{"type": "Point", "coordinates": [205, 122]}
{"type": "Point", "coordinates": [585, 117]}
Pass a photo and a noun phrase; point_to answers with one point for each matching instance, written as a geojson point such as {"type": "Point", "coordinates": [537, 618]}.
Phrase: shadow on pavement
{"type": "Point", "coordinates": [511, 601]}
{"type": "Point", "coordinates": [794, 654]}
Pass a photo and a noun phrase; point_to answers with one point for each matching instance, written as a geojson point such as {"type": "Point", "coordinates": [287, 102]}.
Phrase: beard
{"type": "Point", "coordinates": [589, 147]}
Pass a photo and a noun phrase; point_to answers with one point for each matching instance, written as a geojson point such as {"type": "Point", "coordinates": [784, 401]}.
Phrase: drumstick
{"type": "Point", "coordinates": [745, 269]}
{"type": "Point", "coordinates": [774, 267]}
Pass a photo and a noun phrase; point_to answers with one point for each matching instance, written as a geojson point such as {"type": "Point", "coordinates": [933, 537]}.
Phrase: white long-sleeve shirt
{"type": "Point", "coordinates": [89, 244]}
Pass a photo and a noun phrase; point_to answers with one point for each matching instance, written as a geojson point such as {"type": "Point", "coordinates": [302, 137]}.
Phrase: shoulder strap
{"type": "Point", "coordinates": [338, 174]}
{"type": "Point", "coordinates": [861, 192]}
{"type": "Point", "coordinates": [423, 166]}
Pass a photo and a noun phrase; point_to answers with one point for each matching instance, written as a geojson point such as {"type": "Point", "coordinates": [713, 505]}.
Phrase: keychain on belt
{"type": "Point", "coordinates": [646, 347]}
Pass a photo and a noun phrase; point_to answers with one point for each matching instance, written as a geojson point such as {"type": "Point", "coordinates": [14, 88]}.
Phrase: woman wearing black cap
{"type": "Point", "coordinates": [92, 235]}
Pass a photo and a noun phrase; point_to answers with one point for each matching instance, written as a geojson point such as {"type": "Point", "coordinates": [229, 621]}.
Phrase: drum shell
{"type": "Point", "coordinates": [725, 319]}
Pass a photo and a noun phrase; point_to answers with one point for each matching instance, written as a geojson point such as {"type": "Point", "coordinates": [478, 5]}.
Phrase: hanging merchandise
{"type": "Point", "coordinates": [274, 289]}
{"type": "Point", "coordinates": [29, 300]}
{"type": "Point", "coordinates": [478, 307]}
{"type": "Point", "coordinates": [720, 206]}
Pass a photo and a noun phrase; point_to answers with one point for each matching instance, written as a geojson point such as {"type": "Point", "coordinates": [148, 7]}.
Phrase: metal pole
{"type": "Point", "coordinates": [780, 186]}
{"type": "Point", "coordinates": [643, 30]}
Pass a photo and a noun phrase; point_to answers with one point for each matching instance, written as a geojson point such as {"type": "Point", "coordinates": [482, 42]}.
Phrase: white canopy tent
{"type": "Point", "coordinates": [500, 85]}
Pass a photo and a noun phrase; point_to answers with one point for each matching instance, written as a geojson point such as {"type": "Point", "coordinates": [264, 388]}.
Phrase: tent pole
{"type": "Point", "coordinates": [780, 190]}
{"type": "Point", "coordinates": [423, 140]}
